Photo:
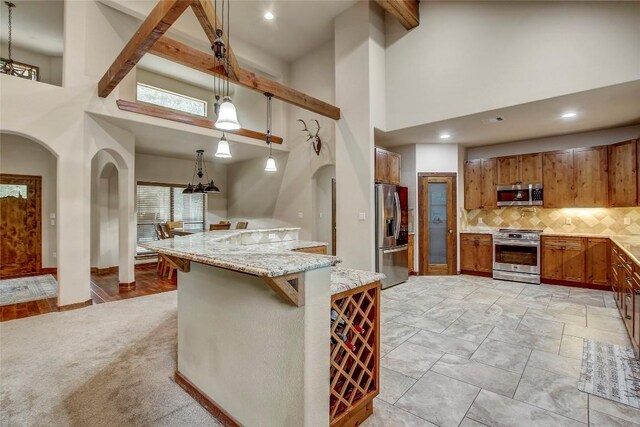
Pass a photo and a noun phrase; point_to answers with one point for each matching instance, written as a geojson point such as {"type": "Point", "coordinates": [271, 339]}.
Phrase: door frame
{"type": "Point", "coordinates": [423, 236]}
{"type": "Point", "coordinates": [36, 182]}
{"type": "Point", "coordinates": [333, 217]}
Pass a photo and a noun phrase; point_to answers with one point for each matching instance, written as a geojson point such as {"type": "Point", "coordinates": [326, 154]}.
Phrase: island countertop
{"type": "Point", "coordinates": [269, 253]}
{"type": "Point", "coordinates": [344, 279]}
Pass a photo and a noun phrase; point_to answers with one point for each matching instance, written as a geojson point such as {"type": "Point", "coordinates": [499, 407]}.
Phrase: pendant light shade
{"type": "Point", "coordinates": [211, 188]}
{"type": "Point", "coordinates": [227, 115]}
{"type": "Point", "coordinates": [223, 148]}
{"type": "Point", "coordinates": [271, 165]}
{"type": "Point", "coordinates": [188, 190]}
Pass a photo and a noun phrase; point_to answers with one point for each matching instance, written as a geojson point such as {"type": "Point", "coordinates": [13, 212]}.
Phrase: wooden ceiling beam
{"type": "Point", "coordinates": [181, 53]}
{"type": "Point", "coordinates": [406, 11]}
{"type": "Point", "coordinates": [208, 17]}
{"type": "Point", "coordinates": [165, 13]}
{"type": "Point", "coordinates": [161, 113]}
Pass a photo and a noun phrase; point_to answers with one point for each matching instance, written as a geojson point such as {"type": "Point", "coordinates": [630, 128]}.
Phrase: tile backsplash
{"type": "Point", "coordinates": [605, 221]}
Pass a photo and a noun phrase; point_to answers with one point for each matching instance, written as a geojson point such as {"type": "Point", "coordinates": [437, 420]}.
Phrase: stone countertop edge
{"type": "Point", "coordinates": [630, 245]}
{"type": "Point", "coordinates": [559, 234]}
{"type": "Point", "coordinates": [344, 279]}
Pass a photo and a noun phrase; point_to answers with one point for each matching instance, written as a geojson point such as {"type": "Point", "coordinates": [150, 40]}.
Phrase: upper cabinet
{"type": "Point", "coordinates": [591, 172]}
{"type": "Point", "coordinates": [388, 167]}
{"type": "Point", "coordinates": [480, 182]}
{"type": "Point", "coordinates": [557, 178]}
{"type": "Point", "coordinates": [489, 183]}
{"type": "Point", "coordinates": [623, 174]}
{"type": "Point", "coordinates": [522, 169]}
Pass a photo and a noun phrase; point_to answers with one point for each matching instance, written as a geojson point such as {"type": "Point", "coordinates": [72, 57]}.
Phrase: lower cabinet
{"type": "Point", "coordinates": [476, 253]}
{"type": "Point", "coordinates": [598, 261]}
{"type": "Point", "coordinates": [410, 252]}
{"type": "Point", "coordinates": [625, 284]}
{"type": "Point", "coordinates": [564, 258]}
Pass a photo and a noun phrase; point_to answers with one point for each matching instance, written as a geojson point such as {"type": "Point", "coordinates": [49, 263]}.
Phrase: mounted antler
{"type": "Point", "coordinates": [316, 141]}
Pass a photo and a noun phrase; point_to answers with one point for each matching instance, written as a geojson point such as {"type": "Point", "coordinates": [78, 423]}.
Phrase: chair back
{"type": "Point", "coordinates": [224, 222]}
{"type": "Point", "coordinates": [167, 230]}
{"type": "Point", "coordinates": [175, 224]}
{"type": "Point", "coordinates": [213, 227]}
{"type": "Point", "coordinates": [242, 225]}
{"type": "Point", "coordinates": [157, 230]}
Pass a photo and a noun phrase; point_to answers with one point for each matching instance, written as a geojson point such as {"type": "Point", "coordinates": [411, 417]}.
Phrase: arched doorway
{"type": "Point", "coordinates": [324, 224]}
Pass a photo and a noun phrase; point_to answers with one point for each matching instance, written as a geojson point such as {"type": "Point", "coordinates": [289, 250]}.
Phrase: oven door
{"type": "Point", "coordinates": [521, 256]}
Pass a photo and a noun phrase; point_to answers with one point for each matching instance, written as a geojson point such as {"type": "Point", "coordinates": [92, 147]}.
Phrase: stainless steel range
{"type": "Point", "coordinates": [516, 255]}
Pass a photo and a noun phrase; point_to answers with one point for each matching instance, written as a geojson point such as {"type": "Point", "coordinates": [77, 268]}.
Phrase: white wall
{"type": "Point", "coordinates": [22, 156]}
{"type": "Point", "coordinates": [322, 205]}
{"type": "Point", "coordinates": [563, 142]}
{"type": "Point", "coordinates": [49, 67]}
{"type": "Point", "coordinates": [469, 57]}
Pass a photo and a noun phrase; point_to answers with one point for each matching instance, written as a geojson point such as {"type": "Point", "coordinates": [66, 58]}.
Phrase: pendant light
{"type": "Point", "coordinates": [227, 118]}
{"type": "Point", "coordinates": [223, 148]}
{"type": "Point", "coordinates": [200, 169]}
{"type": "Point", "coordinates": [271, 163]}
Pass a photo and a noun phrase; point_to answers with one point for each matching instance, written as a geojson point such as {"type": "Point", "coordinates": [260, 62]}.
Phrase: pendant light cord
{"type": "Point", "coordinates": [269, 122]}
{"type": "Point", "coordinates": [10, 6]}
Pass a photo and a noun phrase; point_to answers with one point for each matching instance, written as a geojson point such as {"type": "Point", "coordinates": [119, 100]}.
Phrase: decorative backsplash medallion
{"type": "Point", "coordinates": [605, 221]}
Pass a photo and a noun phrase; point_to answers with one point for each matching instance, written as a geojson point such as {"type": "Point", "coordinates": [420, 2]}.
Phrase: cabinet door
{"type": "Point", "coordinates": [473, 184]}
{"type": "Point", "coordinates": [557, 178]}
{"type": "Point", "coordinates": [394, 168]}
{"type": "Point", "coordinates": [551, 258]}
{"type": "Point", "coordinates": [574, 260]}
{"type": "Point", "coordinates": [636, 305]}
{"type": "Point", "coordinates": [623, 184]}
{"type": "Point", "coordinates": [382, 166]}
{"type": "Point", "coordinates": [484, 255]}
{"type": "Point", "coordinates": [614, 271]}
{"type": "Point", "coordinates": [410, 252]}
{"type": "Point", "coordinates": [468, 252]}
{"type": "Point", "coordinates": [598, 261]}
{"type": "Point", "coordinates": [530, 168]}
{"type": "Point", "coordinates": [489, 183]}
{"type": "Point", "coordinates": [591, 177]}
{"type": "Point", "coordinates": [508, 170]}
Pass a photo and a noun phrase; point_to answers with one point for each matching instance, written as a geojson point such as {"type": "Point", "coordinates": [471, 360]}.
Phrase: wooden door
{"type": "Point", "coordinates": [437, 209]}
{"type": "Point", "coordinates": [508, 170]}
{"type": "Point", "coordinates": [551, 258]}
{"type": "Point", "coordinates": [20, 224]}
{"type": "Point", "coordinates": [393, 162]}
{"type": "Point", "coordinates": [530, 168]}
{"type": "Point", "coordinates": [468, 252]}
{"type": "Point", "coordinates": [473, 184]}
{"type": "Point", "coordinates": [623, 184]}
{"type": "Point", "coordinates": [489, 183]}
{"type": "Point", "coordinates": [557, 177]}
{"type": "Point", "coordinates": [382, 166]}
{"type": "Point", "coordinates": [591, 177]}
{"type": "Point", "coordinates": [598, 261]}
{"type": "Point", "coordinates": [484, 256]}
{"type": "Point", "coordinates": [573, 260]}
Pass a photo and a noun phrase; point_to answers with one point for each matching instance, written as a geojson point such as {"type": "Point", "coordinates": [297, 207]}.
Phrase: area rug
{"type": "Point", "coordinates": [24, 289]}
{"type": "Point", "coordinates": [610, 371]}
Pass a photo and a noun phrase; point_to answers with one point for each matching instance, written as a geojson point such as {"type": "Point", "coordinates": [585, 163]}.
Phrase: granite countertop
{"type": "Point", "coordinates": [344, 279]}
{"type": "Point", "coordinates": [223, 249]}
{"type": "Point", "coordinates": [630, 245]}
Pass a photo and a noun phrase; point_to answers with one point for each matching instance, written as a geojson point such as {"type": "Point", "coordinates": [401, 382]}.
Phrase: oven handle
{"type": "Point", "coordinates": [527, 243]}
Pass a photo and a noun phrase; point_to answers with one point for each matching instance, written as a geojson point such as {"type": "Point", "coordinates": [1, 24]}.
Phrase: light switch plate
{"type": "Point", "coordinates": [362, 216]}
{"type": "Point", "coordinates": [568, 221]}
{"type": "Point", "coordinates": [320, 215]}
{"type": "Point", "coordinates": [627, 220]}
{"type": "Point", "coordinates": [300, 215]}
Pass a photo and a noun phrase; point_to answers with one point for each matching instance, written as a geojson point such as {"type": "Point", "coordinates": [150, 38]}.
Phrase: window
{"type": "Point", "coordinates": [174, 101]}
{"type": "Point", "coordinates": [13, 190]}
{"type": "Point", "coordinates": [165, 202]}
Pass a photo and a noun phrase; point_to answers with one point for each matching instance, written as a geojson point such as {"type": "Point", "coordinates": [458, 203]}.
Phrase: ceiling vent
{"type": "Point", "coordinates": [493, 120]}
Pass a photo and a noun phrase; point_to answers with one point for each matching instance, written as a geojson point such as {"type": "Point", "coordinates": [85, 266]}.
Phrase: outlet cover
{"type": "Point", "coordinates": [568, 221]}
{"type": "Point", "coordinates": [627, 220]}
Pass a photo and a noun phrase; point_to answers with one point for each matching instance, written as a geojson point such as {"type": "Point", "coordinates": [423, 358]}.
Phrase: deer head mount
{"type": "Point", "coordinates": [315, 139]}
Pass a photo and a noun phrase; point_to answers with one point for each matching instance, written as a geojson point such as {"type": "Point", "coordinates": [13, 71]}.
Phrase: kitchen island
{"type": "Point", "coordinates": [253, 328]}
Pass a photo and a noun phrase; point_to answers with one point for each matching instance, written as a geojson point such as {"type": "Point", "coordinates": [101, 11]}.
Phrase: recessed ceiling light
{"type": "Point", "coordinates": [445, 136]}
{"type": "Point", "coordinates": [569, 115]}
{"type": "Point", "coordinates": [268, 16]}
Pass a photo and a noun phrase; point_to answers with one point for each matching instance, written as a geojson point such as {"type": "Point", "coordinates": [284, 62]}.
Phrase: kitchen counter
{"type": "Point", "coordinates": [630, 245]}
{"type": "Point", "coordinates": [345, 279]}
{"type": "Point", "coordinates": [555, 234]}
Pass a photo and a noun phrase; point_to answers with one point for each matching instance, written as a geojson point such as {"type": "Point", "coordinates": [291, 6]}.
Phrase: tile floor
{"type": "Point", "coordinates": [471, 351]}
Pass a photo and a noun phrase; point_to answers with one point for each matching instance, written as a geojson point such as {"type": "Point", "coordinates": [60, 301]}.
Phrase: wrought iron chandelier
{"type": "Point", "coordinates": [8, 65]}
{"type": "Point", "coordinates": [226, 114]}
{"type": "Point", "coordinates": [200, 169]}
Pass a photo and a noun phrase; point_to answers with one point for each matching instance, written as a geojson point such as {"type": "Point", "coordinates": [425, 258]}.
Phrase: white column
{"type": "Point", "coordinates": [126, 226]}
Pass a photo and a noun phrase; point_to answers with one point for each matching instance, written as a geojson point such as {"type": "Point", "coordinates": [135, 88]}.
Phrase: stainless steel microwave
{"type": "Point", "coordinates": [520, 195]}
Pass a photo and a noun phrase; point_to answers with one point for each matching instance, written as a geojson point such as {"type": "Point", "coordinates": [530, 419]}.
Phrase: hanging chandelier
{"type": "Point", "coordinates": [271, 163]}
{"type": "Point", "coordinates": [8, 65]}
{"type": "Point", "coordinates": [200, 170]}
{"type": "Point", "coordinates": [226, 114]}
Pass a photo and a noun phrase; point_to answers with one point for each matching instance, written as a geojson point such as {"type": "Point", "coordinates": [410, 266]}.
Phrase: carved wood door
{"type": "Point", "coordinates": [20, 224]}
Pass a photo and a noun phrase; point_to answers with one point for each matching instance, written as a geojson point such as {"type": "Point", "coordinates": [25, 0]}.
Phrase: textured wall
{"type": "Point", "coordinates": [605, 221]}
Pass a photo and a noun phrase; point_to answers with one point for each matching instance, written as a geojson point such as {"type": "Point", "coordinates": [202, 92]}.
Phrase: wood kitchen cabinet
{"type": "Point", "coordinates": [508, 173]}
{"type": "Point", "coordinates": [623, 174]}
{"type": "Point", "coordinates": [564, 258]}
{"type": "Point", "coordinates": [476, 253]}
{"type": "Point", "coordinates": [591, 179]}
{"type": "Point", "coordinates": [480, 182]}
{"type": "Point", "coordinates": [410, 252]}
{"type": "Point", "coordinates": [521, 169]}
{"type": "Point", "coordinates": [558, 179]}
{"type": "Point", "coordinates": [598, 261]}
{"type": "Point", "coordinates": [489, 183]}
{"type": "Point", "coordinates": [388, 167]}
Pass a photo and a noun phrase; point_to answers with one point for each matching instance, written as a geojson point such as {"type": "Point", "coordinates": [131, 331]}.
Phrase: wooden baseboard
{"type": "Point", "coordinates": [356, 417]}
{"type": "Point", "coordinates": [127, 286]}
{"type": "Point", "coordinates": [477, 273]}
{"type": "Point", "coordinates": [103, 271]}
{"type": "Point", "coordinates": [75, 305]}
{"type": "Point", "coordinates": [413, 273]}
{"type": "Point", "coordinates": [576, 284]}
{"type": "Point", "coordinates": [41, 272]}
{"type": "Point", "coordinates": [216, 410]}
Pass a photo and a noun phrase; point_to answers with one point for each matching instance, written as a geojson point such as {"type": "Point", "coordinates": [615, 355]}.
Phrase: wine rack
{"type": "Point", "coordinates": [355, 354]}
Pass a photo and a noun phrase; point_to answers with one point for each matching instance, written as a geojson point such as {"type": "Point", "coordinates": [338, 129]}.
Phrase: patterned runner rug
{"type": "Point", "coordinates": [24, 289]}
{"type": "Point", "coordinates": [610, 371]}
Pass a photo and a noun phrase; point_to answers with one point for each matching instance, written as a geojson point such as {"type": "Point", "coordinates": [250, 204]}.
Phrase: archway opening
{"type": "Point", "coordinates": [324, 229]}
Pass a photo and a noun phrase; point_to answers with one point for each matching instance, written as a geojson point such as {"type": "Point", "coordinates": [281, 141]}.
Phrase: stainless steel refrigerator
{"type": "Point", "coordinates": [392, 234]}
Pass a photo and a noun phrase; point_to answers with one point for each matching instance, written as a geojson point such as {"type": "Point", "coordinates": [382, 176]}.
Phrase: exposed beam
{"type": "Point", "coordinates": [165, 13]}
{"type": "Point", "coordinates": [208, 17]}
{"type": "Point", "coordinates": [178, 52]}
{"type": "Point", "coordinates": [406, 11]}
{"type": "Point", "coordinates": [161, 113]}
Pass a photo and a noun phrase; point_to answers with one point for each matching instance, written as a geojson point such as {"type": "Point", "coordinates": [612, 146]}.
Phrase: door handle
{"type": "Point", "coordinates": [450, 231]}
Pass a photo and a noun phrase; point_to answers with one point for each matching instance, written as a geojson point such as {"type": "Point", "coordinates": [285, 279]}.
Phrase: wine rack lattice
{"type": "Point", "coordinates": [354, 372]}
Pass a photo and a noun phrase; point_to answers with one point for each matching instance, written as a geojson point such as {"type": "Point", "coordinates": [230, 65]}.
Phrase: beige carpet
{"type": "Point", "coordinates": [105, 365]}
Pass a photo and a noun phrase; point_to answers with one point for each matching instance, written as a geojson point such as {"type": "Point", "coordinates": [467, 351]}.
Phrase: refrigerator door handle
{"type": "Point", "coordinates": [398, 214]}
{"type": "Point", "coordinates": [396, 249]}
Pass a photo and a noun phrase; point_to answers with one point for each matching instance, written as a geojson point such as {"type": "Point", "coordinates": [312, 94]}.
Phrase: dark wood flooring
{"type": "Point", "coordinates": [104, 288]}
